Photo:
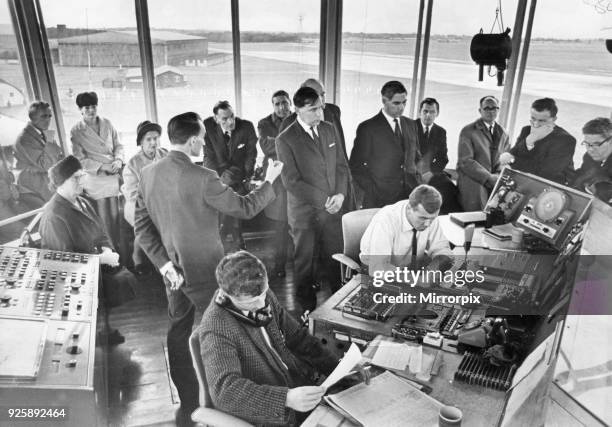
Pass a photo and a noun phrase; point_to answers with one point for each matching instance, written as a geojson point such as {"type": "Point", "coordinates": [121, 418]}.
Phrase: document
{"type": "Point", "coordinates": [392, 355]}
{"type": "Point", "coordinates": [387, 401]}
{"type": "Point", "coordinates": [346, 365]}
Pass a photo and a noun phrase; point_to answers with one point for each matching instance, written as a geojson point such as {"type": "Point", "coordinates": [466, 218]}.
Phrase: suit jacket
{"type": "Point", "coordinates": [238, 158]}
{"type": "Point", "coordinates": [476, 168]}
{"type": "Point", "coordinates": [63, 227]}
{"type": "Point", "coordinates": [434, 152]}
{"type": "Point", "coordinates": [34, 158]}
{"type": "Point", "coordinates": [331, 114]}
{"type": "Point", "coordinates": [384, 169]}
{"type": "Point", "coordinates": [245, 377]}
{"type": "Point", "coordinates": [592, 172]}
{"type": "Point", "coordinates": [93, 151]}
{"type": "Point", "coordinates": [552, 157]}
{"type": "Point", "coordinates": [269, 128]}
{"type": "Point", "coordinates": [309, 176]}
{"type": "Point", "coordinates": [177, 218]}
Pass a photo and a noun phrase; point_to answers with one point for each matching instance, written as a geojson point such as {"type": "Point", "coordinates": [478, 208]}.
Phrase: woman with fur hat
{"type": "Point", "coordinates": [70, 224]}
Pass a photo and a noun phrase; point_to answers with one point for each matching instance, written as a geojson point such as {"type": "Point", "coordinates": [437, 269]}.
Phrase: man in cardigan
{"type": "Point", "coordinates": [260, 364]}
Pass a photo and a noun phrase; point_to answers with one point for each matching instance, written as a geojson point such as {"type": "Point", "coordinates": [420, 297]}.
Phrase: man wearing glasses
{"type": "Point", "coordinates": [543, 149]}
{"type": "Point", "coordinates": [595, 174]}
{"type": "Point", "coordinates": [480, 145]}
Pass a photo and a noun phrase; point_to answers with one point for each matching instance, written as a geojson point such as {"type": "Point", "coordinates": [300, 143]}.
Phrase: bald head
{"type": "Point", "coordinates": [316, 85]}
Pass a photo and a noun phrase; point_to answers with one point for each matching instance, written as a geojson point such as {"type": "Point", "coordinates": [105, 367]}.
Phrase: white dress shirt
{"type": "Point", "coordinates": [387, 242]}
{"type": "Point", "coordinates": [391, 121]}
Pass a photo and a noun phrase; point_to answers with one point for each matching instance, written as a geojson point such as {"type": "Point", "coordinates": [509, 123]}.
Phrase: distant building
{"type": "Point", "coordinates": [120, 48]}
{"type": "Point", "coordinates": [165, 76]}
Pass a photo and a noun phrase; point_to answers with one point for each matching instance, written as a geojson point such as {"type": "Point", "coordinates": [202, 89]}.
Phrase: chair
{"type": "Point", "coordinates": [354, 225]}
{"type": "Point", "coordinates": [206, 414]}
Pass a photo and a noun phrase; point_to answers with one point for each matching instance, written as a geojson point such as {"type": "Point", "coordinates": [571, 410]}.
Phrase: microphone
{"type": "Point", "coordinates": [468, 233]}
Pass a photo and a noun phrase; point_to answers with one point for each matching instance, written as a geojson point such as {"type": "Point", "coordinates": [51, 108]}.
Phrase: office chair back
{"type": "Point", "coordinates": [354, 224]}
{"type": "Point", "coordinates": [207, 414]}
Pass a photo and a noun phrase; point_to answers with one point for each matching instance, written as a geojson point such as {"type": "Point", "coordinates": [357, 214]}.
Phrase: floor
{"type": "Point", "coordinates": [137, 391]}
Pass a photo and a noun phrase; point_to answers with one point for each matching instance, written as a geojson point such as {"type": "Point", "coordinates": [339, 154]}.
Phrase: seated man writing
{"type": "Point", "coordinates": [260, 364]}
{"type": "Point", "coordinates": [406, 233]}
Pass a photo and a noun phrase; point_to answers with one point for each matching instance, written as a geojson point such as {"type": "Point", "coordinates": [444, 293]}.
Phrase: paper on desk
{"type": "Point", "coordinates": [392, 355]}
{"type": "Point", "coordinates": [346, 365]}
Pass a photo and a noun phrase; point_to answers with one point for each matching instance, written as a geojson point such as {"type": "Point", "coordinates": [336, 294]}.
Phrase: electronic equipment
{"type": "Point", "coordinates": [463, 219]}
{"type": "Point", "coordinates": [545, 209]}
{"type": "Point", "coordinates": [362, 303]}
{"type": "Point", "coordinates": [475, 369]}
{"type": "Point", "coordinates": [48, 305]}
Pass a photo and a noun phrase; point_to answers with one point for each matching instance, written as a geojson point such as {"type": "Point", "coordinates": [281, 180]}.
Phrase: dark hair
{"type": "Point", "coordinates": [37, 106]}
{"type": "Point", "coordinates": [598, 126]}
{"type": "Point", "coordinates": [429, 101]}
{"type": "Point", "coordinates": [305, 96]}
{"type": "Point", "coordinates": [391, 88]}
{"type": "Point", "coordinates": [62, 170]}
{"type": "Point", "coordinates": [545, 104]}
{"type": "Point", "coordinates": [221, 105]}
{"type": "Point", "coordinates": [427, 196]}
{"type": "Point", "coordinates": [183, 127]}
{"type": "Point", "coordinates": [241, 273]}
{"type": "Point", "coordinates": [85, 99]}
{"type": "Point", "coordinates": [484, 98]}
{"type": "Point", "coordinates": [280, 93]}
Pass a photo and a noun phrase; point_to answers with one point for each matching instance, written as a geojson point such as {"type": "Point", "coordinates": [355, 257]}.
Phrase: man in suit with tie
{"type": "Point", "coordinates": [230, 150]}
{"type": "Point", "coordinates": [434, 155]}
{"type": "Point", "coordinates": [315, 175]}
{"type": "Point", "coordinates": [36, 152]}
{"type": "Point", "coordinates": [176, 223]}
{"type": "Point", "coordinates": [480, 145]}
{"type": "Point", "coordinates": [384, 157]}
{"type": "Point", "coordinates": [269, 128]}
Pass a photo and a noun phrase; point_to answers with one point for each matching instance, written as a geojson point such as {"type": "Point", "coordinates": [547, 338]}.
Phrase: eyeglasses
{"type": "Point", "coordinates": [595, 144]}
{"type": "Point", "coordinates": [490, 108]}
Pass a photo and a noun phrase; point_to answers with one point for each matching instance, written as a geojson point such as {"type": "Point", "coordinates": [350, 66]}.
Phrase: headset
{"type": "Point", "coordinates": [258, 318]}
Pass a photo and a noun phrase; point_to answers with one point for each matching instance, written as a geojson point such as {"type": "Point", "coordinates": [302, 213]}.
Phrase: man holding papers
{"type": "Point", "coordinates": [260, 364]}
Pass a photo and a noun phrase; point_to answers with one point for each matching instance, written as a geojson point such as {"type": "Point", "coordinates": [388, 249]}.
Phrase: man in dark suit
{"type": "Point", "coordinates": [260, 364]}
{"type": "Point", "coordinates": [176, 223]}
{"type": "Point", "coordinates": [543, 149]}
{"type": "Point", "coordinates": [595, 173]}
{"type": "Point", "coordinates": [230, 150]}
{"type": "Point", "coordinates": [385, 155]}
{"type": "Point", "coordinates": [480, 145]}
{"type": "Point", "coordinates": [268, 129]}
{"type": "Point", "coordinates": [434, 155]}
{"type": "Point", "coordinates": [315, 175]}
{"type": "Point", "coordinates": [36, 151]}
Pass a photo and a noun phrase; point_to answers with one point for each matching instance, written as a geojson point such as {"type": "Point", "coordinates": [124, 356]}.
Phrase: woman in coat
{"type": "Point", "coordinates": [95, 143]}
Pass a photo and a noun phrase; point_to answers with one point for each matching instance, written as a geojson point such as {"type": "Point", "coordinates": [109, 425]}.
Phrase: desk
{"type": "Point", "coordinates": [481, 406]}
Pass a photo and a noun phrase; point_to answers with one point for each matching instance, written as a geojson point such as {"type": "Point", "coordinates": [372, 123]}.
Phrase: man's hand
{"type": "Point", "coordinates": [227, 177]}
{"type": "Point", "coordinates": [106, 168]}
{"type": "Point", "coordinates": [427, 177]}
{"type": "Point", "coordinates": [173, 278]}
{"type": "Point", "coordinates": [108, 257]}
{"type": "Point", "coordinates": [535, 134]}
{"type": "Point", "coordinates": [506, 159]}
{"type": "Point", "coordinates": [274, 170]}
{"type": "Point", "coordinates": [303, 399]}
{"type": "Point", "coordinates": [334, 203]}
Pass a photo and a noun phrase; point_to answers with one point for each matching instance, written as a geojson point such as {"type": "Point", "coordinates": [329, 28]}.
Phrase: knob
{"type": "Point", "coordinates": [5, 299]}
{"type": "Point", "coordinates": [71, 363]}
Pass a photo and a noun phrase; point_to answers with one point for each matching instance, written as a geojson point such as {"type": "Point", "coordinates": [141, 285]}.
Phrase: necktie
{"type": "Point", "coordinates": [227, 137]}
{"type": "Point", "coordinates": [44, 138]}
{"type": "Point", "coordinates": [492, 130]}
{"type": "Point", "coordinates": [427, 133]}
{"type": "Point", "coordinates": [413, 262]}
{"type": "Point", "coordinates": [397, 131]}
{"type": "Point", "coordinates": [317, 140]}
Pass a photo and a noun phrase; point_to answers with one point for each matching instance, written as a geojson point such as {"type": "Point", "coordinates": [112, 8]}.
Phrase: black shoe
{"type": "Point", "coordinates": [182, 418]}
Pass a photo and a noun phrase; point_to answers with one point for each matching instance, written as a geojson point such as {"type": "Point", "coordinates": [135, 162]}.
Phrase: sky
{"type": "Point", "coordinates": [554, 18]}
